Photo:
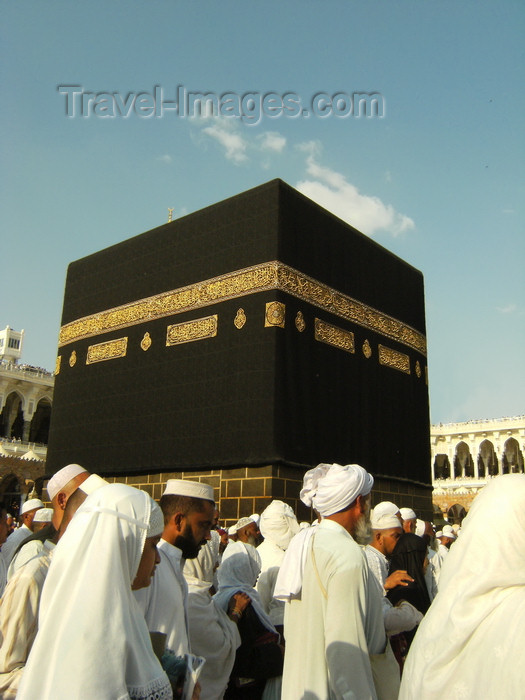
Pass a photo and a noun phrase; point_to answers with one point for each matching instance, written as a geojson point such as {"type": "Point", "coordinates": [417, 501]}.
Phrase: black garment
{"type": "Point", "coordinates": [258, 658]}
{"type": "Point", "coordinates": [409, 555]}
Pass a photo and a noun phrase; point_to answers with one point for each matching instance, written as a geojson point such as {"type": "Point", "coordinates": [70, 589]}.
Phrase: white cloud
{"type": "Point", "coordinates": [234, 144]}
{"type": "Point", "coordinates": [165, 159]}
{"type": "Point", "coordinates": [312, 148]}
{"type": "Point", "coordinates": [228, 133]}
{"type": "Point", "coordinates": [331, 190]}
{"type": "Point", "coordinates": [272, 141]}
{"type": "Point", "coordinates": [509, 309]}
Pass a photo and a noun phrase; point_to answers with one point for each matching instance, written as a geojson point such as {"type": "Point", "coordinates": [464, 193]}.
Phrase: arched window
{"type": "Point", "coordinates": [463, 464]}
{"type": "Point", "coordinates": [487, 460]}
{"type": "Point", "coordinates": [456, 513]}
{"type": "Point", "coordinates": [12, 417]}
{"type": "Point", "coordinates": [10, 494]}
{"type": "Point", "coordinates": [39, 431]}
{"type": "Point", "coordinates": [441, 467]}
{"type": "Point", "coordinates": [512, 460]}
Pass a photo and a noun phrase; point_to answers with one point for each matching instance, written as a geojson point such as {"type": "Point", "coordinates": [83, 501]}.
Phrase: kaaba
{"type": "Point", "coordinates": [259, 331]}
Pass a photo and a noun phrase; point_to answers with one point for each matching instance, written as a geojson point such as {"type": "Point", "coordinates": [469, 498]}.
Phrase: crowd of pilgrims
{"type": "Point", "coordinates": [108, 595]}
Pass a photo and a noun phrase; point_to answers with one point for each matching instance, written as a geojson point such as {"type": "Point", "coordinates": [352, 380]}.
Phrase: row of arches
{"type": "Point", "coordinates": [13, 424]}
{"type": "Point", "coordinates": [485, 463]}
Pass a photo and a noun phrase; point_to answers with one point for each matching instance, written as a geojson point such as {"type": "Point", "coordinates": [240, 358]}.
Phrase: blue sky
{"type": "Point", "coordinates": [438, 179]}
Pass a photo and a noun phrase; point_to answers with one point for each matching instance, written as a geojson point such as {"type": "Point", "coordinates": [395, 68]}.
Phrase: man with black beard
{"type": "Point", "coordinates": [188, 508]}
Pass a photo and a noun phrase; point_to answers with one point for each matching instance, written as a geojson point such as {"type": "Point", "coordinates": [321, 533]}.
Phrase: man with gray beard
{"type": "Point", "coordinates": [246, 531]}
{"type": "Point", "coordinates": [336, 625]}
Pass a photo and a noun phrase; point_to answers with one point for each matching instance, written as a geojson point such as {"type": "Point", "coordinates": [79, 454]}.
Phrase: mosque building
{"type": "Point", "coordinates": [26, 397]}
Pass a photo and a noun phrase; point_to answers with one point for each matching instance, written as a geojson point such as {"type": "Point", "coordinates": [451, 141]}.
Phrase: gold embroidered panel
{"type": "Point", "coordinates": [394, 359]}
{"type": "Point", "coordinates": [110, 350]}
{"type": "Point", "coordinates": [332, 335]}
{"type": "Point", "coordinates": [275, 314]}
{"type": "Point", "coordinates": [187, 332]}
{"type": "Point", "coordinates": [266, 276]}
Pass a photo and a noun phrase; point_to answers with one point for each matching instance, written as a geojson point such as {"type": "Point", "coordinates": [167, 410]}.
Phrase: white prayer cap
{"type": "Point", "coordinates": [192, 489]}
{"type": "Point", "coordinates": [340, 486]}
{"type": "Point", "coordinates": [156, 521]}
{"type": "Point", "coordinates": [386, 508]}
{"type": "Point", "coordinates": [62, 477]}
{"type": "Point", "coordinates": [408, 514]}
{"type": "Point", "coordinates": [439, 534]}
{"type": "Point", "coordinates": [31, 504]}
{"type": "Point", "coordinates": [448, 531]}
{"type": "Point", "coordinates": [255, 517]}
{"type": "Point", "coordinates": [43, 515]}
{"type": "Point", "coordinates": [240, 524]}
{"type": "Point", "coordinates": [232, 530]}
{"type": "Point", "coordinates": [420, 527]}
{"type": "Point", "coordinates": [384, 521]}
{"type": "Point", "coordinates": [92, 483]}
{"type": "Point", "coordinates": [310, 482]}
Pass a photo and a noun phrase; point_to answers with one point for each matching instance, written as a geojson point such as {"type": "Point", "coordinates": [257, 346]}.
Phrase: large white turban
{"type": "Point", "coordinates": [310, 482]}
{"type": "Point", "coordinates": [278, 524]}
{"type": "Point", "coordinates": [340, 487]}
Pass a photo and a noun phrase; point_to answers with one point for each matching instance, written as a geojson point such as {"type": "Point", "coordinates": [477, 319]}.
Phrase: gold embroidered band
{"type": "Point", "coordinates": [266, 276]}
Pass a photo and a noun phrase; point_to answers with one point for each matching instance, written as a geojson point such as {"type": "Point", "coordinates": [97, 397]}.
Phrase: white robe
{"type": "Point", "coordinates": [164, 602]}
{"type": "Point", "coordinates": [13, 541]}
{"type": "Point", "coordinates": [328, 640]}
{"type": "Point", "coordinates": [469, 643]}
{"type": "Point", "coordinates": [212, 634]}
{"type": "Point", "coordinates": [24, 554]}
{"type": "Point", "coordinates": [19, 620]}
{"type": "Point", "coordinates": [271, 560]}
{"type": "Point", "coordinates": [92, 641]}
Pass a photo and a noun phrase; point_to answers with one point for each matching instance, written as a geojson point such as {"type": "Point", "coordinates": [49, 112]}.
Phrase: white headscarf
{"type": "Point", "coordinates": [93, 641]}
{"type": "Point", "coordinates": [278, 524]}
{"type": "Point", "coordinates": [238, 572]}
{"type": "Point", "coordinates": [467, 643]}
{"type": "Point", "coordinates": [340, 486]}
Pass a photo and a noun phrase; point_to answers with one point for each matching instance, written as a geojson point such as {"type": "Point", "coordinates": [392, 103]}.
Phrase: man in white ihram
{"type": "Point", "coordinates": [331, 631]}
{"type": "Point", "coordinates": [188, 509]}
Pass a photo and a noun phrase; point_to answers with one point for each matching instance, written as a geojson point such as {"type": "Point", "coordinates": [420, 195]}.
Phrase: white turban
{"type": "Point", "coordinates": [310, 482]}
{"type": "Point", "coordinates": [340, 487]}
{"type": "Point", "coordinates": [278, 524]}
